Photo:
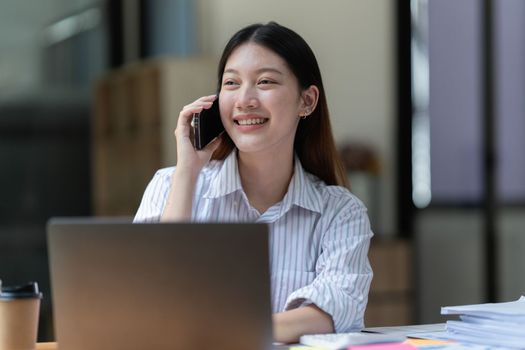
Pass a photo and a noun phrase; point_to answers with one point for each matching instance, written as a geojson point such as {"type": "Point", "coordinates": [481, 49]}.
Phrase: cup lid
{"type": "Point", "coordinates": [29, 290]}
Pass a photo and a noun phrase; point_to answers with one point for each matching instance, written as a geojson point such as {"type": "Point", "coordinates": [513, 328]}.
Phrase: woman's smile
{"type": "Point", "coordinates": [249, 122]}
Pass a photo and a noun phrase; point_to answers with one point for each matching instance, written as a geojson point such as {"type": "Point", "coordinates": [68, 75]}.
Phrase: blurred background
{"type": "Point", "coordinates": [427, 105]}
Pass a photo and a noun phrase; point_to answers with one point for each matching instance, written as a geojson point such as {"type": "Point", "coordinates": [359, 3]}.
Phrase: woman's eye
{"type": "Point", "coordinates": [265, 81]}
{"type": "Point", "coordinates": [228, 82]}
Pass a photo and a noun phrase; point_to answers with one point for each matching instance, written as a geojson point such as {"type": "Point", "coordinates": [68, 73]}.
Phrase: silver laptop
{"type": "Point", "coordinates": [123, 286]}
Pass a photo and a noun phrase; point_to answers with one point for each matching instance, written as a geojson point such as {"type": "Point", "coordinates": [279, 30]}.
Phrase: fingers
{"type": "Point", "coordinates": [187, 155]}
{"type": "Point", "coordinates": [197, 106]}
{"type": "Point", "coordinates": [189, 110]}
{"type": "Point", "coordinates": [185, 116]}
{"type": "Point", "coordinates": [209, 98]}
{"type": "Point", "coordinates": [204, 102]}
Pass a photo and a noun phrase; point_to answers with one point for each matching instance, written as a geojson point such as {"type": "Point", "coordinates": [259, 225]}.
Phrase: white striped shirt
{"type": "Point", "coordinates": [319, 236]}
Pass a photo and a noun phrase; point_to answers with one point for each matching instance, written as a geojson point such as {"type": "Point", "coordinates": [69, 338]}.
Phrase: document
{"type": "Point", "coordinates": [493, 324]}
{"type": "Point", "coordinates": [514, 310]}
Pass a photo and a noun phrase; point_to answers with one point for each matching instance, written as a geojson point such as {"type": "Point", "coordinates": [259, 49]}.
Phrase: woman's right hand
{"type": "Point", "coordinates": [188, 158]}
{"type": "Point", "coordinates": [189, 164]}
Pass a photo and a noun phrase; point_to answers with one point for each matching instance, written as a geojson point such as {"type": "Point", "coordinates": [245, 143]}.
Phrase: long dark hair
{"type": "Point", "coordinates": [314, 143]}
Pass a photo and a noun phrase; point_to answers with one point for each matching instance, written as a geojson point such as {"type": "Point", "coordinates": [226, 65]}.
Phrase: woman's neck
{"type": "Point", "coordinates": [265, 178]}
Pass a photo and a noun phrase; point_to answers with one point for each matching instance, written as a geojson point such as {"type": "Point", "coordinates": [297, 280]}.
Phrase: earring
{"type": "Point", "coordinates": [306, 114]}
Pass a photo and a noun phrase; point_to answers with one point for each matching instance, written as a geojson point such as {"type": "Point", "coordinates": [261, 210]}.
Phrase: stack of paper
{"type": "Point", "coordinates": [498, 324]}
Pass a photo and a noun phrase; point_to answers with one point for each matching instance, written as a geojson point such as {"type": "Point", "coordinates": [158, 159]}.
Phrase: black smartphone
{"type": "Point", "coordinates": [207, 125]}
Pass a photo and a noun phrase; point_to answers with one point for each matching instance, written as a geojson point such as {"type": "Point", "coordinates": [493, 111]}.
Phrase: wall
{"type": "Point", "coordinates": [450, 260]}
{"type": "Point", "coordinates": [510, 105]}
{"type": "Point", "coordinates": [21, 24]}
{"type": "Point", "coordinates": [451, 256]}
{"type": "Point", "coordinates": [455, 100]}
{"type": "Point", "coordinates": [19, 51]}
{"type": "Point", "coordinates": [451, 266]}
{"type": "Point", "coordinates": [456, 120]}
{"type": "Point", "coordinates": [353, 44]}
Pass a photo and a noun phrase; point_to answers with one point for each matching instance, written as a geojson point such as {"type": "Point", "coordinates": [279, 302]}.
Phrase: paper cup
{"type": "Point", "coordinates": [19, 311]}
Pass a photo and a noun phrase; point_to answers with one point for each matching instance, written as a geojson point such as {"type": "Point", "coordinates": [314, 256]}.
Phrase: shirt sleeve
{"type": "Point", "coordinates": [154, 198]}
{"type": "Point", "coordinates": [343, 272]}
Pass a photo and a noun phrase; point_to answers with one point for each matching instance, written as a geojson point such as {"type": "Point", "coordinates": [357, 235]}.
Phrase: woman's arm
{"type": "Point", "coordinates": [288, 326]}
{"type": "Point", "coordinates": [180, 198]}
{"type": "Point", "coordinates": [340, 288]}
{"type": "Point", "coordinates": [189, 164]}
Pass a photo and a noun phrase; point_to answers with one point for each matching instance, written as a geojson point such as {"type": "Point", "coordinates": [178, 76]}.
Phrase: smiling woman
{"type": "Point", "coordinates": [277, 164]}
{"type": "Point", "coordinates": [260, 101]}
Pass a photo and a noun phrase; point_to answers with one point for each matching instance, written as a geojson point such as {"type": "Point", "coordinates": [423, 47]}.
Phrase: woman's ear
{"type": "Point", "coordinates": [309, 98]}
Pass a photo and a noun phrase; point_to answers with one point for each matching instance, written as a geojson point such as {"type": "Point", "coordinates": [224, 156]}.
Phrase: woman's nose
{"type": "Point", "coordinates": [247, 99]}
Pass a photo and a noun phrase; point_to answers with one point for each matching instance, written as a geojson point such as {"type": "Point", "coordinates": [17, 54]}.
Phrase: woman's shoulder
{"type": "Point", "coordinates": [164, 172]}
{"type": "Point", "coordinates": [337, 197]}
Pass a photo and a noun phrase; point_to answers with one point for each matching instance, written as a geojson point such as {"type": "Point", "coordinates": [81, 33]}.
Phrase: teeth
{"type": "Point", "coordinates": [251, 121]}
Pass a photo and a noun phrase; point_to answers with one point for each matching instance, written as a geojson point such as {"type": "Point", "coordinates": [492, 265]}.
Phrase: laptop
{"type": "Point", "coordinates": [122, 286]}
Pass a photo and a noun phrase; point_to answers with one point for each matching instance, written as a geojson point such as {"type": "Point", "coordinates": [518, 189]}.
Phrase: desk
{"type": "Point", "coordinates": [415, 342]}
{"type": "Point", "coordinates": [53, 346]}
{"type": "Point", "coordinates": [404, 330]}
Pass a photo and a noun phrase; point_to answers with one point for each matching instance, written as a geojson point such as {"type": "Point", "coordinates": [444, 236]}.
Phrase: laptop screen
{"type": "Point", "coordinates": [127, 286]}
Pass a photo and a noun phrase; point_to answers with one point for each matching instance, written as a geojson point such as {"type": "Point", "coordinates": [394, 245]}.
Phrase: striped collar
{"type": "Point", "coordinates": [303, 190]}
{"type": "Point", "coordinates": [226, 180]}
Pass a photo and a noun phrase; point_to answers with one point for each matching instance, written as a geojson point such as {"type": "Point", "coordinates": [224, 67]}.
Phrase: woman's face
{"type": "Point", "coordinates": [260, 101]}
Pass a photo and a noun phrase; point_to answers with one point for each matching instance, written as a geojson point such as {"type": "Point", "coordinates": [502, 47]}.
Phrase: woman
{"type": "Point", "coordinates": [276, 163]}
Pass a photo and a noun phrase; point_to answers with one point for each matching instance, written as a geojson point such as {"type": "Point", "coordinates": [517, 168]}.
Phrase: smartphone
{"type": "Point", "coordinates": [207, 125]}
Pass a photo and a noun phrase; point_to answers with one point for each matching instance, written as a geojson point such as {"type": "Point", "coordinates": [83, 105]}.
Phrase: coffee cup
{"type": "Point", "coordinates": [19, 311]}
